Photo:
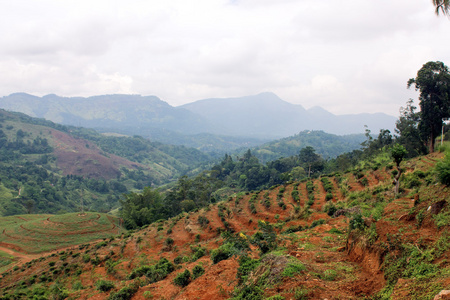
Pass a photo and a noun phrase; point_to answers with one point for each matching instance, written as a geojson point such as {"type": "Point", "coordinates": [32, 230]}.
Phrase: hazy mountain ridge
{"type": "Point", "coordinates": [259, 116]}
{"type": "Point", "coordinates": [266, 114]}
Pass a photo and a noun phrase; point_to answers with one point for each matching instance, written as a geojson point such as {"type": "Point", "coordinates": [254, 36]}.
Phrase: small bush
{"type": "Point", "coordinates": [357, 222]}
{"type": "Point", "coordinates": [124, 293]}
{"type": "Point", "coordinates": [183, 279]}
{"type": "Point", "coordinates": [222, 253]}
{"type": "Point", "coordinates": [178, 260]}
{"type": "Point", "coordinates": [104, 286]}
{"type": "Point", "coordinates": [197, 271]}
{"type": "Point", "coordinates": [169, 242]}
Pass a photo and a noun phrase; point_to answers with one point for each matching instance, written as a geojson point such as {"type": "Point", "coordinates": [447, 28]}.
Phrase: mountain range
{"type": "Point", "coordinates": [252, 119]}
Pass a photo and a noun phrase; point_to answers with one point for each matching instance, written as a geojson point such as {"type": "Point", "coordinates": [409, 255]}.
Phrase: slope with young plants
{"type": "Point", "coordinates": [345, 236]}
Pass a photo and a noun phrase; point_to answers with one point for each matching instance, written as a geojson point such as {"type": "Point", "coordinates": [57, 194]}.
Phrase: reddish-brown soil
{"type": "Point", "coordinates": [355, 264]}
{"type": "Point", "coordinates": [79, 157]}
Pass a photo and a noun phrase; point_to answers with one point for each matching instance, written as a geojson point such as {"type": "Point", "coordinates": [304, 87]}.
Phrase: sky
{"type": "Point", "coordinates": [347, 56]}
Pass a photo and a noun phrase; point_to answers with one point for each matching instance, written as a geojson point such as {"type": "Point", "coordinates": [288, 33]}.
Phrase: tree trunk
{"type": "Point", "coordinates": [431, 144]}
{"type": "Point", "coordinates": [397, 180]}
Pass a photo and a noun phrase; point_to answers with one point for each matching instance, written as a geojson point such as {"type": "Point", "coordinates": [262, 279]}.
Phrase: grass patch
{"type": "Point", "coordinates": [42, 233]}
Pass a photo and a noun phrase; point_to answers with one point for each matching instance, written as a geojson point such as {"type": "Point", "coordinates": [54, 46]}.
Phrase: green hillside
{"type": "Point", "coordinates": [49, 168]}
{"type": "Point", "coordinates": [327, 145]}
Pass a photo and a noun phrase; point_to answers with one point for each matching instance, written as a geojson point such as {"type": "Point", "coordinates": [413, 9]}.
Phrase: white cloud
{"type": "Point", "coordinates": [347, 56]}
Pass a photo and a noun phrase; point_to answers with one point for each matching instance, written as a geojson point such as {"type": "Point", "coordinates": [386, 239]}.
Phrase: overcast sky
{"type": "Point", "coordinates": [348, 56]}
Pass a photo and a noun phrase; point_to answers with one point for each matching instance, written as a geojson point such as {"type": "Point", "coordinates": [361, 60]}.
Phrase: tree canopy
{"type": "Point", "coordinates": [442, 6]}
{"type": "Point", "coordinates": [433, 82]}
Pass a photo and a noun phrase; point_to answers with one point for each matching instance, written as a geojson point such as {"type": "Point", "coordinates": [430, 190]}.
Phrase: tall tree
{"type": "Point", "coordinates": [442, 6]}
{"type": "Point", "coordinates": [407, 130]}
{"type": "Point", "coordinates": [433, 82]}
{"type": "Point", "coordinates": [310, 160]}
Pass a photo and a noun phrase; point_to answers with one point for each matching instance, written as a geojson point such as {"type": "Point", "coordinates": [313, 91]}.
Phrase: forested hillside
{"type": "Point", "coordinates": [326, 144]}
{"type": "Point", "coordinates": [46, 167]}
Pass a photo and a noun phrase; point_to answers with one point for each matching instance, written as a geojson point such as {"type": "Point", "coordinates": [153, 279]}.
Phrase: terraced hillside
{"type": "Point", "coordinates": [346, 236]}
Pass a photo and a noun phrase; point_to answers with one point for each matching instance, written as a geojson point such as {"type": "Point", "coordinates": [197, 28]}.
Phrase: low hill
{"type": "Point", "coordinates": [345, 236]}
{"type": "Point", "coordinates": [327, 145]}
{"type": "Point", "coordinates": [47, 167]}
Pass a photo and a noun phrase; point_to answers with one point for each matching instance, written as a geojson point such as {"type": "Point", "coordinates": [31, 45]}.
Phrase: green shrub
{"type": "Point", "coordinates": [138, 272]}
{"type": "Point", "coordinates": [183, 279]}
{"type": "Point", "coordinates": [178, 260]}
{"type": "Point", "coordinates": [86, 258]}
{"type": "Point", "coordinates": [266, 238]}
{"type": "Point", "coordinates": [169, 242]}
{"type": "Point", "coordinates": [57, 292]}
{"type": "Point", "coordinates": [125, 293]}
{"type": "Point", "coordinates": [160, 271]}
{"type": "Point", "coordinates": [202, 221]}
{"type": "Point", "coordinates": [357, 222]}
{"type": "Point", "coordinates": [104, 286]}
{"type": "Point", "coordinates": [198, 253]}
{"type": "Point", "coordinates": [248, 292]}
{"type": "Point", "coordinates": [197, 271]}
{"type": "Point", "coordinates": [222, 253]}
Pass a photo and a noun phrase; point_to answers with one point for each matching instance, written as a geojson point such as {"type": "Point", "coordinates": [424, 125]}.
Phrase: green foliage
{"type": "Point", "coordinates": [433, 82]}
{"type": "Point", "coordinates": [198, 253]}
{"type": "Point", "coordinates": [197, 271]}
{"type": "Point", "coordinates": [246, 266]}
{"type": "Point", "coordinates": [293, 268]}
{"type": "Point", "coordinates": [357, 222]}
{"type": "Point", "coordinates": [142, 209]}
{"type": "Point", "coordinates": [300, 294]}
{"type": "Point", "coordinates": [222, 253]}
{"type": "Point", "coordinates": [265, 238]}
{"type": "Point", "coordinates": [443, 169]}
{"type": "Point", "coordinates": [57, 292]}
{"type": "Point", "coordinates": [329, 275]}
{"type": "Point", "coordinates": [235, 244]}
{"type": "Point", "coordinates": [248, 292]}
{"type": "Point", "coordinates": [104, 285]}
{"type": "Point", "coordinates": [124, 293]}
{"type": "Point", "coordinates": [398, 152]}
{"type": "Point", "coordinates": [275, 297]}
{"type": "Point", "coordinates": [408, 131]}
{"type": "Point", "coordinates": [154, 273]}
{"type": "Point", "coordinates": [203, 221]}
{"type": "Point", "coordinates": [183, 279]}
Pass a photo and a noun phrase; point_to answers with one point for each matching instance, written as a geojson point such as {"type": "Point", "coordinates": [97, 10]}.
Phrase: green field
{"type": "Point", "coordinates": [5, 260]}
{"type": "Point", "coordinates": [42, 233]}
